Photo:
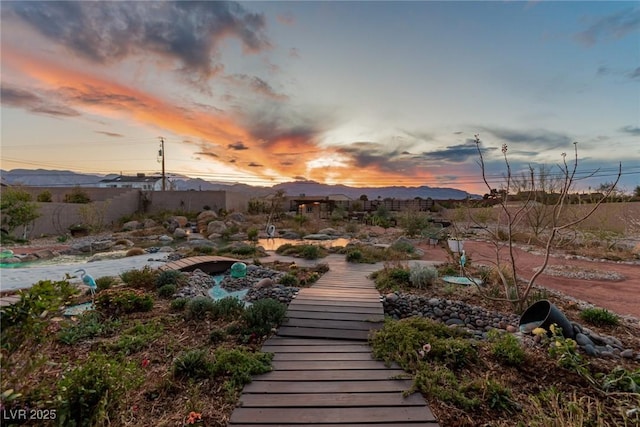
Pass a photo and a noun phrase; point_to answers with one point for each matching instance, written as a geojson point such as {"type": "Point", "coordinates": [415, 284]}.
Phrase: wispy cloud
{"type": "Point", "coordinates": [539, 139]}
{"type": "Point", "coordinates": [615, 26]}
{"type": "Point", "coordinates": [111, 134]}
{"type": "Point", "coordinates": [33, 102]}
{"type": "Point", "coordinates": [105, 32]}
{"type": "Point", "coordinates": [635, 74]}
{"type": "Point", "coordinates": [455, 153]}
{"type": "Point", "coordinates": [631, 130]}
{"type": "Point", "coordinates": [238, 146]}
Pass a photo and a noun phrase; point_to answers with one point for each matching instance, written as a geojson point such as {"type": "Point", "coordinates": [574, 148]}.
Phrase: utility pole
{"type": "Point", "coordinates": [164, 179]}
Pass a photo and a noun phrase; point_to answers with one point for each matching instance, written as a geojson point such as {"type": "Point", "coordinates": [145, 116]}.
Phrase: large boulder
{"type": "Point", "coordinates": [217, 227]}
{"type": "Point", "coordinates": [45, 254]}
{"type": "Point", "coordinates": [149, 223]}
{"type": "Point", "coordinates": [237, 217]}
{"type": "Point", "coordinates": [102, 245]}
{"type": "Point", "coordinates": [181, 220]}
{"type": "Point", "coordinates": [330, 232]}
{"type": "Point", "coordinates": [204, 218]}
{"type": "Point", "coordinates": [179, 233]}
{"type": "Point", "coordinates": [131, 225]}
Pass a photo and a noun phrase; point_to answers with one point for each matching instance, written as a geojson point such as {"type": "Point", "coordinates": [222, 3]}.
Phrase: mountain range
{"type": "Point", "coordinates": [55, 178]}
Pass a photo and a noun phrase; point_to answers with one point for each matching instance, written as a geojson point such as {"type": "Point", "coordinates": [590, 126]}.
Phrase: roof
{"type": "Point", "coordinates": [124, 178]}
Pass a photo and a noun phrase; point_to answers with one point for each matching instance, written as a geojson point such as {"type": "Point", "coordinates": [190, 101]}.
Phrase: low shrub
{"type": "Point", "coordinates": [228, 308]}
{"type": "Point", "coordinates": [167, 291]}
{"type": "Point", "coordinates": [90, 324]}
{"type": "Point", "coordinates": [506, 348]}
{"type": "Point", "coordinates": [137, 338]}
{"type": "Point", "coordinates": [135, 252]}
{"type": "Point", "coordinates": [288, 279]}
{"type": "Point", "coordinates": [599, 317]}
{"type": "Point", "coordinates": [238, 365]}
{"type": "Point", "coordinates": [179, 304]}
{"type": "Point", "coordinates": [117, 301]}
{"type": "Point", "coordinates": [198, 307]}
{"type": "Point", "coordinates": [354, 256]}
{"type": "Point", "coordinates": [105, 282]}
{"type": "Point", "coordinates": [169, 277]}
{"type": "Point", "coordinates": [263, 315]}
{"type": "Point", "coordinates": [422, 276]}
{"type": "Point", "coordinates": [217, 336]}
{"type": "Point", "coordinates": [193, 364]}
{"type": "Point", "coordinates": [144, 279]}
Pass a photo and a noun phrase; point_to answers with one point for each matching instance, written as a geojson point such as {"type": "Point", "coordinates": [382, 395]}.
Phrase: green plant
{"type": "Point", "coordinates": [619, 379]}
{"type": "Point", "coordinates": [118, 301]}
{"type": "Point", "coordinates": [17, 209]}
{"type": "Point", "coordinates": [92, 393]}
{"type": "Point", "coordinates": [105, 282]}
{"type": "Point", "coordinates": [252, 234]}
{"type": "Point", "coordinates": [137, 337]}
{"type": "Point", "coordinates": [565, 351]}
{"type": "Point", "coordinates": [354, 256]}
{"type": "Point", "coordinates": [506, 348]}
{"type": "Point", "coordinates": [179, 304]}
{"type": "Point", "coordinates": [169, 277]}
{"type": "Point", "coordinates": [288, 279]}
{"type": "Point", "coordinates": [77, 195]}
{"type": "Point", "coordinates": [194, 364]}
{"type": "Point", "coordinates": [310, 252]}
{"type": "Point", "coordinates": [167, 291]}
{"type": "Point", "coordinates": [228, 308]}
{"type": "Point", "coordinates": [263, 315]}
{"type": "Point", "coordinates": [422, 276]}
{"type": "Point", "coordinates": [90, 324]}
{"type": "Point", "coordinates": [198, 307]}
{"type": "Point", "coordinates": [44, 197]}
{"type": "Point", "coordinates": [438, 382]}
{"type": "Point", "coordinates": [238, 365]}
{"type": "Point", "coordinates": [146, 278]}
{"type": "Point", "coordinates": [599, 317]}
{"type": "Point", "coordinates": [498, 397]}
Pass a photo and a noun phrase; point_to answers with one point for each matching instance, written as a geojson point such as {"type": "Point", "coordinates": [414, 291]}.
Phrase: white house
{"type": "Point", "coordinates": [140, 181]}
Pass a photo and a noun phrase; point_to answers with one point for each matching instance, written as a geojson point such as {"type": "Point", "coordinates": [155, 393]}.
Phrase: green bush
{"type": "Point", "coordinates": [252, 234]}
{"type": "Point", "coordinates": [198, 307]}
{"type": "Point", "coordinates": [105, 282]}
{"type": "Point", "coordinates": [239, 364]}
{"type": "Point", "coordinates": [92, 394]}
{"type": "Point", "coordinates": [137, 338]}
{"type": "Point", "coordinates": [167, 291]}
{"type": "Point", "coordinates": [422, 276]}
{"type": "Point", "coordinates": [194, 364]}
{"type": "Point", "coordinates": [289, 279]}
{"type": "Point", "coordinates": [179, 304]}
{"type": "Point", "coordinates": [77, 195]}
{"type": "Point", "coordinates": [143, 279]}
{"type": "Point", "coordinates": [90, 324]}
{"type": "Point", "coordinates": [228, 308]}
{"type": "Point", "coordinates": [391, 278]}
{"type": "Point", "coordinates": [599, 317]}
{"type": "Point", "coordinates": [169, 277]}
{"type": "Point", "coordinates": [310, 252]}
{"type": "Point", "coordinates": [354, 256]}
{"type": "Point", "coordinates": [217, 336]}
{"type": "Point", "coordinates": [263, 315]}
{"type": "Point", "coordinates": [402, 246]}
{"type": "Point", "coordinates": [114, 302]}
{"type": "Point", "coordinates": [44, 197]}
{"type": "Point", "coordinates": [506, 348]}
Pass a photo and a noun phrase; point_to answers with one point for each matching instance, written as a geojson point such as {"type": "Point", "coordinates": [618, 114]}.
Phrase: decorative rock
{"type": "Point", "coordinates": [166, 249]}
{"type": "Point", "coordinates": [237, 217]}
{"type": "Point", "coordinates": [131, 225]}
{"type": "Point", "coordinates": [179, 233]}
{"type": "Point", "coordinates": [583, 340]}
{"type": "Point", "coordinates": [454, 321]}
{"type": "Point", "coordinates": [216, 227]}
{"type": "Point", "coordinates": [149, 223]}
{"type": "Point", "coordinates": [329, 231]}
{"type": "Point", "coordinates": [391, 297]}
{"type": "Point", "coordinates": [263, 283]}
{"type": "Point", "coordinates": [317, 236]}
{"type": "Point", "coordinates": [165, 238]}
{"type": "Point", "coordinates": [627, 354]}
{"type": "Point", "coordinates": [12, 260]}
{"type": "Point", "coordinates": [102, 245]}
{"type": "Point", "coordinates": [590, 350]}
{"type": "Point", "coordinates": [181, 220]}
{"type": "Point", "coordinates": [512, 329]}
{"type": "Point", "coordinates": [45, 254]}
{"type": "Point", "coordinates": [291, 235]}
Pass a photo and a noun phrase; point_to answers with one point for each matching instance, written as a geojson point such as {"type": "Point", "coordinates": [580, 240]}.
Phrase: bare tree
{"type": "Point", "coordinates": [517, 290]}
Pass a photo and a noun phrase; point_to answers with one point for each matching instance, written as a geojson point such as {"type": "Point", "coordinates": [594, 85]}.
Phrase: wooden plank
{"type": "Point", "coordinates": [332, 324]}
{"type": "Point", "coordinates": [331, 375]}
{"type": "Point", "coordinates": [336, 298]}
{"type": "Point", "coordinates": [319, 400]}
{"type": "Point", "coordinates": [276, 340]}
{"type": "Point", "coordinates": [324, 365]}
{"type": "Point", "coordinates": [314, 301]}
{"type": "Point", "coordinates": [286, 331]}
{"type": "Point", "coordinates": [348, 348]}
{"type": "Point", "coordinates": [335, 309]}
{"type": "Point", "coordinates": [335, 415]}
{"type": "Point", "coordinates": [301, 387]}
{"type": "Point", "coordinates": [277, 357]}
{"type": "Point", "coordinates": [365, 292]}
{"type": "Point", "coordinates": [363, 317]}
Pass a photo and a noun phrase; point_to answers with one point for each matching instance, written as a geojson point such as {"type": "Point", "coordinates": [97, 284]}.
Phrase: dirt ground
{"type": "Point", "coordinates": [621, 297]}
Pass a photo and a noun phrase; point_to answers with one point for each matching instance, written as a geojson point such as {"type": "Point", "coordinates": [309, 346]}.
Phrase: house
{"type": "Point", "coordinates": [318, 206]}
{"type": "Point", "coordinates": [140, 181]}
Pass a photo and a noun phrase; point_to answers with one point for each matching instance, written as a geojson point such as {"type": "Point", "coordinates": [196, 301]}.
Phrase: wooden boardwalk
{"type": "Point", "coordinates": [209, 264]}
{"type": "Point", "coordinates": [323, 373]}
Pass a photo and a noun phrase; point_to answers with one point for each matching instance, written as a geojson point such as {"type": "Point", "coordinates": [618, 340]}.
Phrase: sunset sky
{"type": "Point", "coordinates": [358, 93]}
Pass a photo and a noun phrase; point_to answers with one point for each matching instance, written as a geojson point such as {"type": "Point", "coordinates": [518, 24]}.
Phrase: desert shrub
{"type": "Point", "coordinates": [599, 317]}
{"type": "Point", "coordinates": [354, 256]}
{"type": "Point", "coordinates": [283, 249]}
{"type": "Point", "coordinates": [137, 338]}
{"type": "Point", "coordinates": [144, 279]}
{"type": "Point", "coordinates": [422, 276]}
{"type": "Point", "coordinates": [203, 250]}
{"type": "Point", "coordinates": [105, 282]}
{"type": "Point", "coordinates": [288, 279]}
{"type": "Point", "coordinates": [117, 301]}
{"type": "Point", "coordinates": [620, 379]}
{"type": "Point", "coordinates": [228, 308]}
{"type": "Point", "coordinates": [506, 348]}
{"type": "Point", "coordinates": [194, 364]}
{"type": "Point", "coordinates": [402, 246]}
{"type": "Point", "coordinates": [169, 277]}
{"type": "Point", "coordinates": [44, 197]}
{"type": "Point", "coordinates": [238, 365]}
{"type": "Point", "coordinates": [498, 396]}
{"type": "Point", "coordinates": [438, 382]}
{"type": "Point", "coordinates": [310, 252]}
{"type": "Point", "coordinates": [90, 324]}
{"type": "Point", "coordinates": [243, 251]}
{"type": "Point", "coordinates": [391, 277]}
{"type": "Point", "coordinates": [167, 291]}
{"type": "Point", "coordinates": [179, 304]}
{"type": "Point", "coordinates": [252, 234]}
{"type": "Point", "coordinates": [198, 307]}
{"type": "Point", "coordinates": [92, 394]}
{"type": "Point", "coordinates": [135, 252]}
{"type": "Point", "coordinates": [217, 336]}
{"type": "Point", "coordinates": [263, 315]}
{"type": "Point", "coordinates": [77, 195]}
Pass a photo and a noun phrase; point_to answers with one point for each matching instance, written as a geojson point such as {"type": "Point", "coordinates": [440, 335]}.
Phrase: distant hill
{"type": "Point", "coordinates": [53, 178]}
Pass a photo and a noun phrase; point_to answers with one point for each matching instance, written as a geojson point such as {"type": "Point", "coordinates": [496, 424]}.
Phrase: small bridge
{"type": "Point", "coordinates": [208, 264]}
{"type": "Point", "coordinates": [323, 373]}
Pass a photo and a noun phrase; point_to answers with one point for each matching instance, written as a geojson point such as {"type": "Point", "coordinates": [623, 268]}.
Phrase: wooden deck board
{"type": "Point", "coordinates": [321, 356]}
{"type": "Point", "coordinates": [336, 309]}
{"type": "Point", "coordinates": [332, 324]}
{"type": "Point", "coordinates": [303, 387]}
{"type": "Point", "coordinates": [347, 334]}
{"type": "Point", "coordinates": [323, 365]}
{"type": "Point", "coordinates": [310, 400]}
{"type": "Point", "coordinates": [334, 415]}
{"type": "Point", "coordinates": [331, 375]}
{"type": "Point", "coordinates": [316, 349]}
{"type": "Point", "coordinates": [363, 317]}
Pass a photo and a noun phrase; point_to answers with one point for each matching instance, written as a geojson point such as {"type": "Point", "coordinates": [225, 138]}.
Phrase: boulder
{"type": "Point", "coordinates": [179, 233]}
{"type": "Point", "coordinates": [636, 250]}
{"type": "Point", "coordinates": [317, 236]}
{"type": "Point", "coordinates": [102, 245]}
{"type": "Point", "coordinates": [149, 223]}
{"type": "Point", "coordinates": [204, 218]}
{"type": "Point", "coordinates": [82, 246]}
{"type": "Point", "coordinates": [131, 225]}
{"type": "Point", "coordinates": [330, 232]}
{"type": "Point", "coordinates": [46, 254]}
{"type": "Point", "coordinates": [216, 227]}
{"type": "Point", "coordinates": [10, 260]}
{"type": "Point", "coordinates": [263, 283]}
{"type": "Point", "coordinates": [237, 217]}
{"type": "Point", "coordinates": [165, 238]}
